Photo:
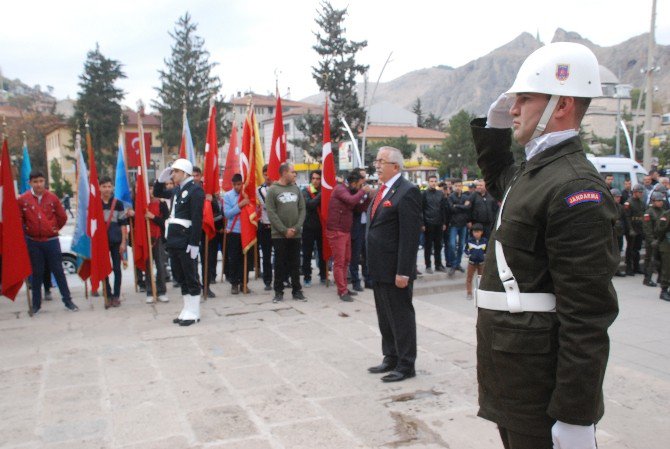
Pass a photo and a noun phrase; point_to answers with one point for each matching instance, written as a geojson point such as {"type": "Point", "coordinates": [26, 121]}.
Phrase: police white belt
{"type": "Point", "coordinates": [180, 222]}
{"type": "Point", "coordinates": [530, 302]}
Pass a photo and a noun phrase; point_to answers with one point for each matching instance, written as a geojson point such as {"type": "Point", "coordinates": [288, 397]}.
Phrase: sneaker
{"type": "Point", "coordinates": [116, 302]}
{"type": "Point", "coordinates": [452, 270]}
{"type": "Point", "coordinates": [235, 289]}
{"type": "Point", "coordinates": [163, 298]}
{"type": "Point", "coordinates": [346, 297]}
{"type": "Point", "coordinates": [210, 294]}
{"type": "Point", "coordinates": [441, 269]}
{"type": "Point", "coordinates": [418, 273]}
{"type": "Point", "coordinates": [469, 297]}
{"type": "Point", "coordinates": [36, 310]}
{"type": "Point", "coordinates": [150, 300]}
{"type": "Point", "coordinates": [298, 296]}
{"type": "Point", "coordinates": [278, 298]}
{"type": "Point", "coordinates": [47, 296]}
{"type": "Point", "coordinates": [141, 288]}
{"type": "Point", "coordinates": [429, 270]}
{"type": "Point", "coordinates": [460, 268]}
{"type": "Point", "coordinates": [268, 287]}
{"type": "Point", "coordinates": [71, 306]}
{"type": "Point", "coordinates": [350, 293]}
{"type": "Point", "coordinates": [307, 283]}
{"type": "Point", "coordinates": [358, 288]}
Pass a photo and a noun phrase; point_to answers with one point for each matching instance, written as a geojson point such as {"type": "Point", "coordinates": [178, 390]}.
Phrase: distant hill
{"type": "Point", "coordinates": [445, 91]}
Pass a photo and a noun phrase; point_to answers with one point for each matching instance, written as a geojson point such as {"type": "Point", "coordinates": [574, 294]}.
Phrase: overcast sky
{"type": "Point", "coordinates": [46, 42]}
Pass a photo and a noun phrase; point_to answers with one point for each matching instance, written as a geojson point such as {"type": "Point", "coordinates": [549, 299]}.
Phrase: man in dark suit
{"type": "Point", "coordinates": [392, 243]}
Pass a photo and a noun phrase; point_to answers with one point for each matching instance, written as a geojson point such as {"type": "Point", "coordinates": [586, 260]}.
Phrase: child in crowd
{"type": "Point", "coordinates": [476, 251]}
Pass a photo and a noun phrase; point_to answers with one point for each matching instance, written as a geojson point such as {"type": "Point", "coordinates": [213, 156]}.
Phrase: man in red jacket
{"type": "Point", "coordinates": [43, 216]}
{"type": "Point", "coordinates": [338, 228]}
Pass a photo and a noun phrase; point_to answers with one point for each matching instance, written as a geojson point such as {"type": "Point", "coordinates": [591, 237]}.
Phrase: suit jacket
{"type": "Point", "coordinates": [393, 233]}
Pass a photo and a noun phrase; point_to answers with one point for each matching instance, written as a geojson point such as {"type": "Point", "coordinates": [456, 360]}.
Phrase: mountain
{"type": "Point", "coordinates": [445, 91]}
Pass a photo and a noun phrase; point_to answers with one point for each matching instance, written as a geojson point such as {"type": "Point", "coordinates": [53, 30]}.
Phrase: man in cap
{"type": "Point", "coordinates": [650, 225]}
{"type": "Point", "coordinates": [620, 226]}
{"type": "Point", "coordinates": [183, 229]}
{"type": "Point", "coordinates": [545, 300]}
{"type": "Point", "coordinates": [635, 234]}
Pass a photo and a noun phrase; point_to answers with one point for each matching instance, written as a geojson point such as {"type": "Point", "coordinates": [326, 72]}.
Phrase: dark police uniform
{"type": "Point", "coordinates": [184, 227]}
{"type": "Point", "coordinates": [557, 236]}
{"type": "Point", "coordinates": [651, 256]}
{"type": "Point", "coordinates": [635, 211]}
{"type": "Point", "coordinates": [663, 236]}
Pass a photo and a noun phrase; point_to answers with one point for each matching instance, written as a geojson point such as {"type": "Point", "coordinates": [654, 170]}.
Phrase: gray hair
{"type": "Point", "coordinates": [395, 156]}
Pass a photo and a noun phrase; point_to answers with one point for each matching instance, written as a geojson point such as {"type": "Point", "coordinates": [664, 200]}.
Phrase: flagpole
{"type": "Point", "coordinates": [205, 269]}
{"type": "Point", "coordinates": [130, 222]}
{"type": "Point", "coordinates": [143, 162]}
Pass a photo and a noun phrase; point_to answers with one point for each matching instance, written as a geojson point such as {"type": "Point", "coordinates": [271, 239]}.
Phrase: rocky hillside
{"type": "Point", "coordinates": [473, 86]}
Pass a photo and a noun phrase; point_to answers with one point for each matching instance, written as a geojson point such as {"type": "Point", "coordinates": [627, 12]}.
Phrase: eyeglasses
{"type": "Point", "coordinates": [382, 162]}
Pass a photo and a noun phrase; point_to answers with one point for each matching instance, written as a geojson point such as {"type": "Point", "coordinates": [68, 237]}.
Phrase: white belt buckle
{"type": "Point", "coordinates": [513, 298]}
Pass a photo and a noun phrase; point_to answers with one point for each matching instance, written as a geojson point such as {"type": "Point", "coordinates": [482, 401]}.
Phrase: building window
{"type": "Point", "coordinates": [423, 147]}
{"type": "Point", "coordinates": [287, 128]}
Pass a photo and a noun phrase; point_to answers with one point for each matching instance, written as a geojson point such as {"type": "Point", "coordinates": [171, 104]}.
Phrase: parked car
{"type": "Point", "coordinates": [69, 258]}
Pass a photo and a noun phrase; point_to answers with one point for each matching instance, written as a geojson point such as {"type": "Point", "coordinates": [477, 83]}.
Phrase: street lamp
{"type": "Point", "coordinates": [622, 91]}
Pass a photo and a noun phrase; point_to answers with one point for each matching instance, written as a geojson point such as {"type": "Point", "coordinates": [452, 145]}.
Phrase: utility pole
{"type": "Point", "coordinates": [646, 159]}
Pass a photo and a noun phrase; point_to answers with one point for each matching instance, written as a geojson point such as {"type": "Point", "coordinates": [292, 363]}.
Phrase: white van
{"type": "Point", "coordinates": [622, 168]}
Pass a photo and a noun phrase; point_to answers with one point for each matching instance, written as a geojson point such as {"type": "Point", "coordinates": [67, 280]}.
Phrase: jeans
{"type": "Point", "coordinates": [357, 244]}
{"type": "Point", "coordinates": [340, 244]}
{"type": "Point", "coordinates": [46, 254]}
{"type": "Point", "coordinates": [158, 253]}
{"type": "Point", "coordinates": [309, 237]}
{"type": "Point", "coordinates": [456, 252]}
{"type": "Point", "coordinates": [287, 261]}
{"type": "Point", "coordinates": [116, 266]}
{"type": "Point", "coordinates": [433, 245]}
{"type": "Point", "coordinates": [234, 258]}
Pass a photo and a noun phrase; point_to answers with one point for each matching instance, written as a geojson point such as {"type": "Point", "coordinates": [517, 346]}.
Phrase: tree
{"type": "Point", "coordinates": [433, 122]}
{"type": "Point", "coordinates": [402, 143]}
{"type": "Point", "coordinates": [59, 186]}
{"type": "Point", "coordinates": [36, 125]}
{"type": "Point", "coordinates": [311, 125]}
{"type": "Point", "coordinates": [335, 74]}
{"type": "Point", "coordinates": [99, 99]}
{"type": "Point", "coordinates": [458, 150]}
{"type": "Point", "coordinates": [187, 80]}
{"type": "Point", "coordinates": [416, 108]}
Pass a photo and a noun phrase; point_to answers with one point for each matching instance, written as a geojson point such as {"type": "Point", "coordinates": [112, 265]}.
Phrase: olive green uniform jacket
{"type": "Point", "coordinates": [537, 367]}
{"type": "Point", "coordinates": [663, 236]}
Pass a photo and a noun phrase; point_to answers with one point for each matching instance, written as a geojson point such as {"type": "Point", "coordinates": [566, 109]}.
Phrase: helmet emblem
{"type": "Point", "coordinates": [562, 72]}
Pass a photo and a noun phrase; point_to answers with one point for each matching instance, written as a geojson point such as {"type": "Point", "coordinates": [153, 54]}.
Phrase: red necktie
{"type": "Point", "coordinates": [378, 199]}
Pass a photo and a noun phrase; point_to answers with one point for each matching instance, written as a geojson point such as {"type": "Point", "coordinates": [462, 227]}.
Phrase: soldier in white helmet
{"type": "Point", "coordinates": [183, 229]}
{"type": "Point", "coordinates": [545, 300]}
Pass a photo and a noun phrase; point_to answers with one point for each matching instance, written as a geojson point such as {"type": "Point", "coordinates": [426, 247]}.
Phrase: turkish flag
{"type": "Point", "coordinates": [96, 228]}
{"type": "Point", "coordinates": [232, 161]}
{"type": "Point", "coordinates": [133, 148]}
{"type": "Point", "coordinates": [210, 174]}
{"type": "Point", "coordinates": [278, 144]}
{"type": "Point", "coordinates": [141, 242]}
{"type": "Point", "coordinates": [327, 179]}
{"type": "Point", "coordinates": [16, 266]}
{"type": "Point", "coordinates": [249, 159]}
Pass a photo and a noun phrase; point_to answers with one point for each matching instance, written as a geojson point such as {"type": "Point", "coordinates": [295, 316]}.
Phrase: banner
{"type": "Point", "coordinates": [133, 148]}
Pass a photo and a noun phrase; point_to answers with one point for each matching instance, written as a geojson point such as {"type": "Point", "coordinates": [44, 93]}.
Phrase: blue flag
{"type": "Point", "coordinates": [121, 187]}
{"type": "Point", "coordinates": [24, 179]}
{"type": "Point", "coordinates": [81, 243]}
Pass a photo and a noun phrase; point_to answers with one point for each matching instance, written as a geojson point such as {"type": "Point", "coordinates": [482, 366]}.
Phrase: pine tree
{"type": "Point", "coordinates": [335, 74]}
{"type": "Point", "coordinates": [416, 108]}
{"type": "Point", "coordinates": [188, 80]}
{"type": "Point", "coordinates": [433, 122]}
{"type": "Point", "coordinates": [99, 99]}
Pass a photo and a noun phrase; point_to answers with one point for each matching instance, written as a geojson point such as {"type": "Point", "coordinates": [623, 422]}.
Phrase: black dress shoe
{"type": "Point", "coordinates": [397, 376]}
{"type": "Point", "coordinates": [382, 368]}
{"type": "Point", "coordinates": [620, 274]}
{"type": "Point", "coordinates": [210, 294]}
{"type": "Point", "coordinates": [187, 322]}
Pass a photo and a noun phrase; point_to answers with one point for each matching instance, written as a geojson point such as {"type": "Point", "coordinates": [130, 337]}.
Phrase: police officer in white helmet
{"type": "Point", "coordinates": [545, 300]}
{"type": "Point", "coordinates": [183, 229]}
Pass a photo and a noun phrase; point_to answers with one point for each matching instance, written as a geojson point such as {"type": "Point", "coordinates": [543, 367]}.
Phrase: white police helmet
{"type": "Point", "coordinates": [183, 165]}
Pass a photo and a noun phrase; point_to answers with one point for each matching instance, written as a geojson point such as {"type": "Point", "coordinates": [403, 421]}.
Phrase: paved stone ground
{"type": "Point", "coordinates": [257, 375]}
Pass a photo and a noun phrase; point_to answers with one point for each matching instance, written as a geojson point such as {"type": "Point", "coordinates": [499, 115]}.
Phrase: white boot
{"type": "Point", "coordinates": [192, 310]}
{"type": "Point", "coordinates": [179, 319]}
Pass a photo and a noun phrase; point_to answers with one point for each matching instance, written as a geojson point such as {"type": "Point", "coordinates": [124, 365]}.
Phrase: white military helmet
{"type": "Point", "coordinates": [183, 165]}
{"type": "Point", "coordinates": [562, 68]}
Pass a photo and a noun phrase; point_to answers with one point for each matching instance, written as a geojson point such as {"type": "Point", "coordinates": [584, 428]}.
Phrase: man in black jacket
{"type": "Point", "coordinates": [484, 208]}
{"type": "Point", "coordinates": [459, 205]}
{"type": "Point", "coordinates": [432, 205]}
{"type": "Point", "coordinates": [392, 243]}
{"type": "Point", "coordinates": [311, 231]}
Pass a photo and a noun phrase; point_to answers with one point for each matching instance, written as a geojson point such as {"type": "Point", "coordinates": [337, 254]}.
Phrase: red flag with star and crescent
{"type": "Point", "coordinates": [210, 174]}
{"type": "Point", "coordinates": [327, 180]}
{"type": "Point", "coordinates": [96, 228]}
{"type": "Point", "coordinates": [278, 144]}
{"type": "Point", "coordinates": [13, 245]}
{"type": "Point", "coordinates": [251, 163]}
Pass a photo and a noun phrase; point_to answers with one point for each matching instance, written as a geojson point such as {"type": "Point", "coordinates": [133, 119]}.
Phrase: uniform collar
{"type": "Point", "coordinates": [185, 181]}
{"type": "Point", "coordinates": [545, 141]}
{"type": "Point", "coordinates": [550, 154]}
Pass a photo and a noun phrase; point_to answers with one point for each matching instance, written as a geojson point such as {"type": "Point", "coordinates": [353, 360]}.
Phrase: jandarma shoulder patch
{"type": "Point", "coordinates": [583, 196]}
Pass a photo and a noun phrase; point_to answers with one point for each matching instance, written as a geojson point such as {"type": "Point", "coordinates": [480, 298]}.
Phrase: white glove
{"type": "Point", "coordinates": [165, 176]}
{"type": "Point", "coordinates": [498, 115]}
{"type": "Point", "coordinates": [571, 436]}
{"type": "Point", "coordinates": [193, 251]}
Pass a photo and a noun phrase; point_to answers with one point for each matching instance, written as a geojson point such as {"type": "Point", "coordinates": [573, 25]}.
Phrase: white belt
{"type": "Point", "coordinates": [179, 221]}
{"type": "Point", "coordinates": [527, 302]}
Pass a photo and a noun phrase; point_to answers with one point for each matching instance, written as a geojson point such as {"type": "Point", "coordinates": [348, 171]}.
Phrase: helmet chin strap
{"type": "Point", "coordinates": [546, 115]}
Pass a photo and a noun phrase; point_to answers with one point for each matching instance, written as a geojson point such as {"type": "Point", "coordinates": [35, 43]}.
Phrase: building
{"type": "Point", "coordinates": [60, 146]}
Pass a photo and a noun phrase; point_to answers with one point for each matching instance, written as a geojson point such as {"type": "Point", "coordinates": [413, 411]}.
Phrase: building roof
{"type": "Point", "coordinates": [607, 77]}
{"type": "Point", "coordinates": [412, 132]}
{"type": "Point", "coordinates": [269, 100]}
{"type": "Point", "coordinates": [148, 120]}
